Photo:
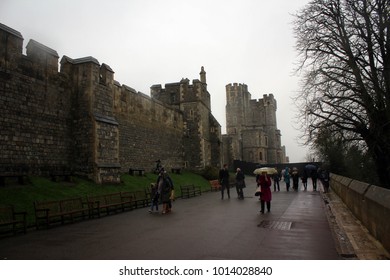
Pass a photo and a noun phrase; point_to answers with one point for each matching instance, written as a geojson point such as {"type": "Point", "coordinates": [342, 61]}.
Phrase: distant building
{"type": "Point", "coordinates": [251, 127]}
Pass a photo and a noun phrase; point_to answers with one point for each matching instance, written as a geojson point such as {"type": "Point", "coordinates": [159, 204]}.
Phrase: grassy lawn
{"type": "Point", "coordinates": [41, 189]}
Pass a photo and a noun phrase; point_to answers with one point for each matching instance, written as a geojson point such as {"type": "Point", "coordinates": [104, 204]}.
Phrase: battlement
{"type": "Point", "coordinates": [87, 59]}
{"type": "Point", "coordinates": [267, 100]}
{"type": "Point", "coordinates": [236, 86]}
{"type": "Point", "coordinates": [11, 46]}
{"type": "Point", "coordinates": [42, 55]}
{"type": "Point", "coordinates": [268, 97]}
{"type": "Point", "coordinates": [11, 31]}
{"type": "Point", "coordinates": [186, 81]}
{"type": "Point", "coordinates": [183, 92]}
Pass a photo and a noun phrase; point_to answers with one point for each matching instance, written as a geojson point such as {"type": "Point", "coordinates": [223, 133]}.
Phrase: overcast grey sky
{"type": "Point", "coordinates": [149, 42]}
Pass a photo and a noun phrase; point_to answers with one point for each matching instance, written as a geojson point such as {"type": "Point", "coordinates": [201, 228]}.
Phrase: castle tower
{"type": "Point", "coordinates": [237, 103]}
{"type": "Point", "coordinates": [273, 134]}
{"type": "Point", "coordinates": [251, 127]}
{"type": "Point", "coordinates": [96, 130]}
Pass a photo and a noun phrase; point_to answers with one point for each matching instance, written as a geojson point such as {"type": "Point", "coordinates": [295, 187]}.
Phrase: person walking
{"type": "Point", "coordinates": [154, 197]}
{"type": "Point", "coordinates": [264, 181]}
{"type": "Point", "coordinates": [304, 179]}
{"type": "Point", "coordinates": [295, 179]}
{"type": "Point", "coordinates": [276, 179]}
{"type": "Point", "coordinates": [164, 187]}
{"type": "Point", "coordinates": [325, 178]}
{"type": "Point", "coordinates": [287, 178]}
{"type": "Point", "coordinates": [224, 180]}
{"type": "Point", "coordinates": [240, 183]}
{"type": "Point", "coordinates": [314, 177]}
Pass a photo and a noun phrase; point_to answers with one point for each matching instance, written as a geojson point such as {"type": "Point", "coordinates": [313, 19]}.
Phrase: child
{"type": "Point", "coordinates": [155, 196]}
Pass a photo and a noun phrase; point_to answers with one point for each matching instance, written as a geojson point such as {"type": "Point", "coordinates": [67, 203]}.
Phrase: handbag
{"type": "Point", "coordinates": [172, 196]}
{"type": "Point", "coordinates": [258, 191]}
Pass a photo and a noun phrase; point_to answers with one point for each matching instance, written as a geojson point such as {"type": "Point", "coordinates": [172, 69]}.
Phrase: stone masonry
{"type": "Point", "coordinates": [81, 120]}
{"type": "Point", "coordinates": [252, 133]}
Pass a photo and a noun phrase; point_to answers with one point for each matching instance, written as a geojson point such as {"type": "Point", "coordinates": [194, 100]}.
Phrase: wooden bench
{"type": "Point", "coordinates": [60, 211]}
{"type": "Point", "coordinates": [140, 198]}
{"type": "Point", "coordinates": [140, 171]}
{"type": "Point", "coordinates": [188, 191]}
{"type": "Point", "coordinates": [111, 202]}
{"type": "Point", "coordinates": [11, 221]}
{"type": "Point", "coordinates": [215, 185]}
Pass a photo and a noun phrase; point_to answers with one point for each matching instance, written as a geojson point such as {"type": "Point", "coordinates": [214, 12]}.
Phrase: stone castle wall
{"type": "Point", "coordinates": [368, 203]}
{"type": "Point", "coordinates": [36, 108]}
{"type": "Point", "coordinates": [149, 130]}
{"type": "Point", "coordinates": [81, 119]}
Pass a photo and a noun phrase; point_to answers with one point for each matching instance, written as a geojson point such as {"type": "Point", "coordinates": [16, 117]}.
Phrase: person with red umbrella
{"type": "Point", "coordinates": [264, 181]}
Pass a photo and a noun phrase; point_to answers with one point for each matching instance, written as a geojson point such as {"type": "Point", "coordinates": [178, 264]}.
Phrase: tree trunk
{"type": "Point", "coordinates": [381, 154]}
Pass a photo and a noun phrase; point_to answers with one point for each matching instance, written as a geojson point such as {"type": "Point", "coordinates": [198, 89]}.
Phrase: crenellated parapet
{"type": "Point", "coordinates": [269, 100]}
{"type": "Point", "coordinates": [178, 93]}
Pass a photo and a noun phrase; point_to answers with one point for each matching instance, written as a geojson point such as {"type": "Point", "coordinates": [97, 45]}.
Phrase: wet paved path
{"type": "Point", "coordinates": [204, 227]}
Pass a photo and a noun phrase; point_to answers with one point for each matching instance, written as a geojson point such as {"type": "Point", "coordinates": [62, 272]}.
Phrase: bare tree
{"type": "Point", "coordinates": [344, 48]}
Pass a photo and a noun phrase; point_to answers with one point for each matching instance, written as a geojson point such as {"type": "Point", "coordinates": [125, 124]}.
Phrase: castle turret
{"type": "Point", "coordinates": [237, 102]}
{"type": "Point", "coordinates": [202, 75]}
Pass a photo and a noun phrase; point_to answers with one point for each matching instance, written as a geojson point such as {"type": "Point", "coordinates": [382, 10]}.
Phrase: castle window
{"type": "Point", "coordinates": [173, 98]}
{"type": "Point", "coordinates": [266, 141]}
{"type": "Point", "coordinates": [261, 155]}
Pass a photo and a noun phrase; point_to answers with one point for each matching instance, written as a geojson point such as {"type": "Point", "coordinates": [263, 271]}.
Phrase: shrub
{"type": "Point", "coordinates": [210, 173]}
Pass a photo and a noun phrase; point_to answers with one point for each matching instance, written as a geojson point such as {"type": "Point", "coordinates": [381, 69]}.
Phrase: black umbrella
{"type": "Point", "coordinates": [310, 167]}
